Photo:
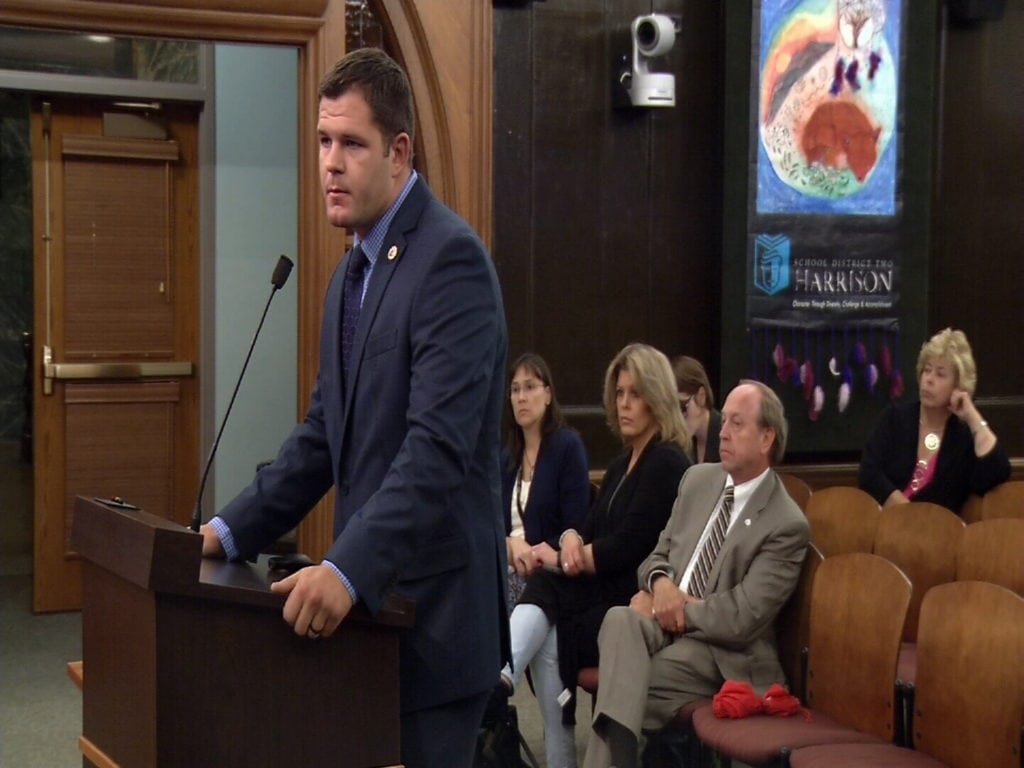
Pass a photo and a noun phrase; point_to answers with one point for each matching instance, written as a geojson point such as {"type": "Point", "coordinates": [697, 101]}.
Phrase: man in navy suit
{"type": "Point", "coordinates": [404, 422]}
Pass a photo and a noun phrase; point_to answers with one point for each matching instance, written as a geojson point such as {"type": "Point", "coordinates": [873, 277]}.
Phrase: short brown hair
{"type": "Point", "coordinates": [691, 376]}
{"type": "Point", "coordinates": [382, 82]}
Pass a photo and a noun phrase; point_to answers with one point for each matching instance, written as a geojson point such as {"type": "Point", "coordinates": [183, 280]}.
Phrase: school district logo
{"type": "Point", "coordinates": [771, 263]}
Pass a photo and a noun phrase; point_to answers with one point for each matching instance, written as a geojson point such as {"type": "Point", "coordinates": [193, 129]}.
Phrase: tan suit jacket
{"type": "Point", "coordinates": [646, 674]}
{"type": "Point", "coordinates": [751, 579]}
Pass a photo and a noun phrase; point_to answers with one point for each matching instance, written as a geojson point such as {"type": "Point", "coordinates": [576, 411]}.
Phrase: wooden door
{"type": "Point", "coordinates": [116, 322]}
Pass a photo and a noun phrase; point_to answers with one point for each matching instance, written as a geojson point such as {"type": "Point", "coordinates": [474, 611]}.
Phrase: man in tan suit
{"type": "Point", "coordinates": [723, 567]}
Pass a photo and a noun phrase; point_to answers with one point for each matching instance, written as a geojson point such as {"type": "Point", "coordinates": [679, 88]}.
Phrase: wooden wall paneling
{"type": "Point", "coordinates": [686, 190]}
{"type": "Point", "coordinates": [626, 216]}
{"type": "Point", "coordinates": [570, 295]}
{"type": "Point", "coordinates": [266, 21]}
{"type": "Point", "coordinates": [591, 231]}
{"type": "Point", "coordinates": [514, 206]}
{"type": "Point", "coordinates": [600, 251]}
{"type": "Point", "coordinates": [977, 275]}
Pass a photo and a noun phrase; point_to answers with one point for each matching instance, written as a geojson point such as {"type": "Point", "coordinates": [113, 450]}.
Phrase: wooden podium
{"type": "Point", "coordinates": [190, 663]}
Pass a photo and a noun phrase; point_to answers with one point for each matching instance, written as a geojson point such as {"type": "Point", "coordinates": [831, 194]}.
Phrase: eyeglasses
{"type": "Point", "coordinates": [529, 388]}
{"type": "Point", "coordinates": [684, 402]}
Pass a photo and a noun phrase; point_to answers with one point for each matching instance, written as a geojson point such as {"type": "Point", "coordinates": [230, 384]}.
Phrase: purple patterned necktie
{"type": "Point", "coordinates": [708, 553]}
{"type": "Point", "coordinates": [352, 302]}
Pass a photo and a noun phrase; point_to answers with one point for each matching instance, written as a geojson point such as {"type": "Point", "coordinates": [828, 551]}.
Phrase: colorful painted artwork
{"type": "Point", "coordinates": [828, 106]}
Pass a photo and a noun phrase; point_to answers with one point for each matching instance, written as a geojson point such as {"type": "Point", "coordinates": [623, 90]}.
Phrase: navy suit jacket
{"type": "Point", "coordinates": [411, 442]}
{"type": "Point", "coordinates": [559, 493]}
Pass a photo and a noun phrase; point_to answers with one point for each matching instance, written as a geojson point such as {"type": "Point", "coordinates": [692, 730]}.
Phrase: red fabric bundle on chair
{"type": "Point", "coordinates": [778, 701]}
{"type": "Point", "coordinates": [735, 700]}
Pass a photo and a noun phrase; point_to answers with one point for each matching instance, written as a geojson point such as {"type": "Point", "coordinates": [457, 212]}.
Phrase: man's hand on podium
{"type": "Point", "coordinates": [211, 542]}
{"type": "Point", "coordinates": [317, 601]}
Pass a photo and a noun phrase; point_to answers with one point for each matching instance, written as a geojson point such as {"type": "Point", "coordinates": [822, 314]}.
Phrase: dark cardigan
{"type": "Point", "coordinates": [560, 490]}
{"type": "Point", "coordinates": [891, 454]}
{"type": "Point", "coordinates": [623, 527]}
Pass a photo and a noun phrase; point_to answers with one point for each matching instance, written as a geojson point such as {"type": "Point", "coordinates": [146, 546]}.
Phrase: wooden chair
{"type": "Point", "coordinates": [677, 738]}
{"type": "Point", "coordinates": [970, 689]}
{"type": "Point", "coordinates": [1005, 500]}
{"type": "Point", "coordinates": [971, 511]}
{"type": "Point", "coordinates": [843, 519]}
{"type": "Point", "coordinates": [991, 550]}
{"type": "Point", "coordinates": [922, 539]}
{"type": "Point", "coordinates": [858, 607]}
{"type": "Point", "coordinates": [797, 488]}
{"type": "Point", "coordinates": [794, 625]}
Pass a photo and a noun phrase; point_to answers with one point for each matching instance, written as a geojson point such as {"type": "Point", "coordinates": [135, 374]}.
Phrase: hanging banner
{"type": "Point", "coordinates": [823, 239]}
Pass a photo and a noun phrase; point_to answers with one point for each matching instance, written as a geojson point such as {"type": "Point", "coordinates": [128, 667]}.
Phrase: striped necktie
{"type": "Point", "coordinates": [713, 543]}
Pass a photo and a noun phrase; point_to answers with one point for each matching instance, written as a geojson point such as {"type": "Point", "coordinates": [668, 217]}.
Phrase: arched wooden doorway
{"type": "Point", "coordinates": [446, 48]}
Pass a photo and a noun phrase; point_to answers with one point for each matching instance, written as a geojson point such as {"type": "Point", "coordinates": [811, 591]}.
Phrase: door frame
{"type": "Point", "coordinates": [445, 47]}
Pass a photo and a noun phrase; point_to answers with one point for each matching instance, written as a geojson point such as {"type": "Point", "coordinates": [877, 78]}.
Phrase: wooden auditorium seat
{"type": "Point", "coordinates": [971, 511]}
{"type": "Point", "coordinates": [991, 550]}
{"type": "Point", "coordinates": [842, 519]}
{"type": "Point", "coordinates": [858, 606]}
{"type": "Point", "coordinates": [792, 632]}
{"type": "Point", "coordinates": [922, 539]}
{"type": "Point", "coordinates": [969, 707]}
{"type": "Point", "coordinates": [1005, 500]}
{"type": "Point", "coordinates": [793, 625]}
{"type": "Point", "coordinates": [797, 488]}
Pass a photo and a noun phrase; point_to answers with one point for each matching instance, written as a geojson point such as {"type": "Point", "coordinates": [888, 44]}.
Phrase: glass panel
{"type": "Point", "coordinates": [15, 265]}
{"type": "Point", "coordinates": [151, 60]}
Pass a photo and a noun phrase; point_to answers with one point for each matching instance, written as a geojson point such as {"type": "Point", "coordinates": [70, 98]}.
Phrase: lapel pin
{"type": "Point", "coordinates": [392, 253]}
{"type": "Point", "coordinates": [747, 521]}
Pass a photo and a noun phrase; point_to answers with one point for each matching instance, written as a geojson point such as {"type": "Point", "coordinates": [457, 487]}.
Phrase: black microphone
{"type": "Point", "coordinates": [279, 278]}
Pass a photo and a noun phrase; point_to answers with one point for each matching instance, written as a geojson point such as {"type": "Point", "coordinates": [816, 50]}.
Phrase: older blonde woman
{"type": "Point", "coordinates": [938, 448]}
{"type": "Point", "coordinates": [555, 624]}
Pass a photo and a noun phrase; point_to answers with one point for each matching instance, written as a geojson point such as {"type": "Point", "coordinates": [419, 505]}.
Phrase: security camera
{"type": "Point", "coordinates": [653, 35]}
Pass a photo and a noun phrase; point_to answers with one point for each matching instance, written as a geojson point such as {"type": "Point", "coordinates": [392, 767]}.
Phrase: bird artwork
{"type": "Point", "coordinates": [827, 102]}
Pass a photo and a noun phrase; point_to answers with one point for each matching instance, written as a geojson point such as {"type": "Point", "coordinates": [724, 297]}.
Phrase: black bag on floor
{"type": "Point", "coordinates": [498, 742]}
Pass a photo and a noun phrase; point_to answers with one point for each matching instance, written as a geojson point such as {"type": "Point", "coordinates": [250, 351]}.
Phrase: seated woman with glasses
{"type": "Point", "coordinates": [546, 481]}
{"type": "Point", "coordinates": [555, 624]}
{"type": "Point", "coordinates": [697, 402]}
{"type": "Point", "coordinates": [937, 448]}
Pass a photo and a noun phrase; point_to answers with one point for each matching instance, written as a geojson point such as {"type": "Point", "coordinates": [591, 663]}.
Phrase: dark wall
{"type": "Point", "coordinates": [606, 217]}
{"type": "Point", "coordinates": [977, 269]}
{"type": "Point", "coordinates": [609, 221]}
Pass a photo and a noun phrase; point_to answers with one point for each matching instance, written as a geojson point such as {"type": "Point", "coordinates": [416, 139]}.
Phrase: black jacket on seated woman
{"type": "Point", "coordinates": [890, 458]}
{"type": "Point", "coordinates": [937, 448]}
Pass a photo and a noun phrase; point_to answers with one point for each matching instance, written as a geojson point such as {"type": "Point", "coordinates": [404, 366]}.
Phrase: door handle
{"type": "Point", "coordinates": [120, 370]}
